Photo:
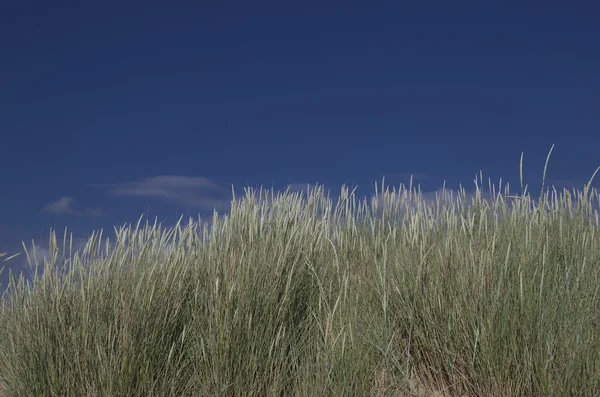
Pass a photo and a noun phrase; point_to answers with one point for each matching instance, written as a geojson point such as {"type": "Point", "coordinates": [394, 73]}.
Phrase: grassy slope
{"type": "Point", "coordinates": [298, 297]}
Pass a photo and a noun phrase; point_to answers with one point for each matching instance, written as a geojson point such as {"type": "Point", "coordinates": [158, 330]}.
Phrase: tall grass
{"type": "Point", "coordinates": [295, 296]}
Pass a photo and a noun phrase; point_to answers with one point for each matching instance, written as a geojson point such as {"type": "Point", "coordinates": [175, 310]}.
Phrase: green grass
{"type": "Point", "coordinates": [296, 296]}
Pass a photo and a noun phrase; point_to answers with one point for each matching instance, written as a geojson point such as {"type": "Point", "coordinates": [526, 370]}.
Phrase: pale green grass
{"type": "Point", "coordinates": [296, 296]}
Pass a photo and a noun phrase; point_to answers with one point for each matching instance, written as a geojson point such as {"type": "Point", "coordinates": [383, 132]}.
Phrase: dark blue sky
{"type": "Point", "coordinates": [114, 109]}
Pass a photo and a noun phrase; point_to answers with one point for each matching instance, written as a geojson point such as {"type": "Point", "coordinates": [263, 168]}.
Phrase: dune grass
{"type": "Point", "coordinates": [295, 296]}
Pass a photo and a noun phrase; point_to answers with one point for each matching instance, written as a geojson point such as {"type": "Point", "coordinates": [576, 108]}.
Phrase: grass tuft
{"type": "Point", "coordinates": [291, 295]}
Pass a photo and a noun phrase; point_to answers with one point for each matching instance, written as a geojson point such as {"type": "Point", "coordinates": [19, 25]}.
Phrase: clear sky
{"type": "Point", "coordinates": [111, 109]}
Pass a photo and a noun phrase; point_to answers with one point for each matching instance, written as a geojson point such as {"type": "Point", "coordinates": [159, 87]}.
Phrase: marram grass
{"type": "Point", "coordinates": [495, 295]}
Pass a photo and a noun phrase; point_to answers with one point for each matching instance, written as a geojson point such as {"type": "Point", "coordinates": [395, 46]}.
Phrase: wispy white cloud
{"type": "Point", "coordinates": [184, 190]}
{"type": "Point", "coordinates": [304, 187]}
{"type": "Point", "coordinates": [22, 264]}
{"type": "Point", "coordinates": [64, 205]}
{"type": "Point", "coordinates": [404, 177]}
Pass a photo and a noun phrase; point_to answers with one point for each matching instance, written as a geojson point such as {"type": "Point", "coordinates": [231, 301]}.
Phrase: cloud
{"type": "Point", "coordinates": [183, 190]}
{"type": "Point", "coordinates": [64, 206]}
{"type": "Point", "coordinates": [405, 177]}
{"type": "Point", "coordinates": [20, 264]}
{"type": "Point", "coordinates": [304, 187]}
